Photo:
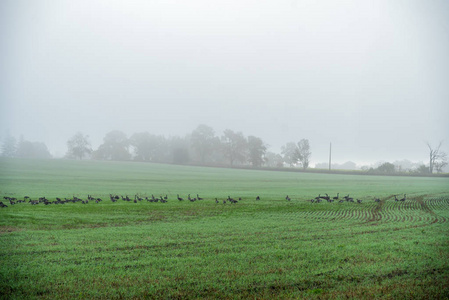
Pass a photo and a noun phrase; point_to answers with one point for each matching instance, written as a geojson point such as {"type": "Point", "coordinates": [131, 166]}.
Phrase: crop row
{"type": "Point", "coordinates": [388, 211]}
{"type": "Point", "coordinates": [437, 203]}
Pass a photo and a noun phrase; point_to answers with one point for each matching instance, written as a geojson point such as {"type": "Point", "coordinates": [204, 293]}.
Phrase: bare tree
{"type": "Point", "coordinates": [78, 146]}
{"type": "Point", "coordinates": [437, 158]}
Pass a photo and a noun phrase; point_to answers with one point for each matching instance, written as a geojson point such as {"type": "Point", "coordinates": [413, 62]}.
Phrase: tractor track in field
{"type": "Point", "coordinates": [376, 211]}
{"type": "Point", "coordinates": [408, 211]}
{"type": "Point", "coordinates": [417, 210]}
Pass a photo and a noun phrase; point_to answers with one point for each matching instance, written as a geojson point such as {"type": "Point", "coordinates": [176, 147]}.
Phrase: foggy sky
{"type": "Point", "coordinates": [372, 77]}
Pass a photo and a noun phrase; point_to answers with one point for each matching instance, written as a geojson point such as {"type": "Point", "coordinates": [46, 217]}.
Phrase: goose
{"type": "Point", "coordinates": [232, 200]}
{"type": "Point", "coordinates": [179, 198]}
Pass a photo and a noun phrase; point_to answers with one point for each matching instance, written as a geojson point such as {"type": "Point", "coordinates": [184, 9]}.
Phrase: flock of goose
{"type": "Point", "coordinates": [346, 198]}
{"type": "Point", "coordinates": [164, 199]}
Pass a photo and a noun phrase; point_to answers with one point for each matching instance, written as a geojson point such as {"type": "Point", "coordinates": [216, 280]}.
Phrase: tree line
{"type": "Point", "coordinates": [23, 148]}
{"type": "Point", "coordinates": [201, 146]}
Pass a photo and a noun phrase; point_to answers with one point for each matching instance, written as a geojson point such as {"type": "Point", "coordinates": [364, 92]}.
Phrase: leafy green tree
{"type": "Point", "coordinates": [304, 153]}
{"type": "Point", "coordinates": [179, 148]}
{"type": "Point", "coordinates": [115, 147]}
{"type": "Point", "coordinates": [256, 151]}
{"type": "Point", "coordinates": [149, 147]}
{"type": "Point", "coordinates": [9, 147]}
{"type": "Point", "coordinates": [274, 160]}
{"type": "Point", "coordinates": [422, 169]}
{"type": "Point", "coordinates": [385, 168]}
{"type": "Point", "coordinates": [234, 146]}
{"type": "Point", "coordinates": [290, 153]}
{"type": "Point", "coordinates": [27, 149]}
{"type": "Point", "coordinates": [203, 141]}
{"type": "Point", "coordinates": [78, 146]}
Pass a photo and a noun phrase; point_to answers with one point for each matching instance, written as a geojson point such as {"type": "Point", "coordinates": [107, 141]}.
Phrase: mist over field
{"type": "Point", "coordinates": [369, 77]}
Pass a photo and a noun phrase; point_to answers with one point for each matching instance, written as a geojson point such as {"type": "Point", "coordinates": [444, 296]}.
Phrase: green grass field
{"type": "Point", "coordinates": [271, 248]}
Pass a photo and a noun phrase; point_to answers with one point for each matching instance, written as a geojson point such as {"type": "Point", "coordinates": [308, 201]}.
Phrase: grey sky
{"type": "Point", "coordinates": [372, 77]}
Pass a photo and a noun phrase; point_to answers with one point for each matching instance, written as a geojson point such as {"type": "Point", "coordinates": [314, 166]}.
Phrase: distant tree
{"type": "Point", "coordinates": [78, 146]}
{"type": "Point", "coordinates": [256, 151]}
{"type": "Point", "coordinates": [203, 141]}
{"type": "Point", "coordinates": [290, 153]}
{"type": "Point", "coordinates": [180, 156]}
{"type": "Point", "coordinates": [437, 158]}
{"type": "Point", "coordinates": [405, 165]}
{"type": "Point", "coordinates": [142, 146]}
{"type": "Point", "coordinates": [27, 149]}
{"type": "Point", "coordinates": [385, 168]}
{"type": "Point", "coordinates": [349, 165]}
{"type": "Point", "coordinates": [234, 146]}
{"type": "Point", "coordinates": [439, 165]}
{"type": "Point", "coordinates": [304, 153]}
{"type": "Point", "coordinates": [422, 169]}
{"type": "Point", "coordinates": [149, 147]}
{"type": "Point", "coordinates": [115, 147]}
{"type": "Point", "coordinates": [179, 148]}
{"type": "Point", "coordinates": [160, 152]}
{"type": "Point", "coordinates": [274, 160]}
{"type": "Point", "coordinates": [9, 147]}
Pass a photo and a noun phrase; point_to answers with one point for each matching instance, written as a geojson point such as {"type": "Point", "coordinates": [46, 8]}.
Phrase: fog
{"type": "Point", "coordinates": [369, 76]}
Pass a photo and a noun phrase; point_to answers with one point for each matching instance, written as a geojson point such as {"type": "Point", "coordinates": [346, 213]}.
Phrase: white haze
{"type": "Point", "coordinates": [372, 77]}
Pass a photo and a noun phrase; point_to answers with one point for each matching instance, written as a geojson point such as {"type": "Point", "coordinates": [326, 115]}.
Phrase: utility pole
{"type": "Point", "coordinates": [330, 156]}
